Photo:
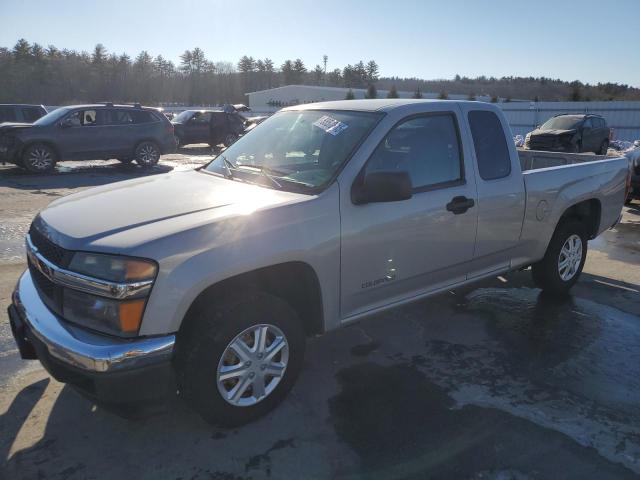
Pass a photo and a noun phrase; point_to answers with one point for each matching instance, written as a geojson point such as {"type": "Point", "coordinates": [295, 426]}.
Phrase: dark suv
{"type": "Point", "coordinates": [208, 126]}
{"type": "Point", "coordinates": [571, 133]}
{"type": "Point", "coordinates": [21, 113]}
{"type": "Point", "coordinates": [88, 132]}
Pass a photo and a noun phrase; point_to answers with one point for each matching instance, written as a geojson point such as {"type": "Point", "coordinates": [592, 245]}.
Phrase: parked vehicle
{"type": "Point", "coordinates": [571, 133]}
{"type": "Point", "coordinates": [634, 159]}
{"type": "Point", "coordinates": [21, 113]}
{"type": "Point", "coordinates": [324, 214]}
{"type": "Point", "coordinates": [208, 126]}
{"type": "Point", "coordinates": [88, 132]}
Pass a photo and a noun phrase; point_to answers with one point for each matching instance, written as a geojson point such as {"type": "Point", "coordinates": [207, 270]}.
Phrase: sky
{"type": "Point", "coordinates": [587, 40]}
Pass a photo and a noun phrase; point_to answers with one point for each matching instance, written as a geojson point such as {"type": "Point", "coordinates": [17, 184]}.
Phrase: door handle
{"type": "Point", "coordinates": [459, 205]}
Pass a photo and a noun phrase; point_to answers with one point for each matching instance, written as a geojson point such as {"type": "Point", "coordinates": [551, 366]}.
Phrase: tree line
{"type": "Point", "coordinates": [32, 73]}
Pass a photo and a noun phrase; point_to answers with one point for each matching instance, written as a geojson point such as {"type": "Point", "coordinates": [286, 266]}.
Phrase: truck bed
{"type": "Point", "coordinates": [555, 181]}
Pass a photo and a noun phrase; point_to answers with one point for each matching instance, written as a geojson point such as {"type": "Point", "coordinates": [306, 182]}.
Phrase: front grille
{"type": "Point", "coordinates": [50, 250]}
{"type": "Point", "coordinates": [50, 293]}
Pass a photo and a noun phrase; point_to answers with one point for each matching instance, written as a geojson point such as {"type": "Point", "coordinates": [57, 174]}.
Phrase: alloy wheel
{"type": "Point", "coordinates": [570, 257]}
{"type": "Point", "coordinates": [252, 365]}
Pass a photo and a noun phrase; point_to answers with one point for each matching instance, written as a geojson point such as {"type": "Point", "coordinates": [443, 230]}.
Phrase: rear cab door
{"type": "Point", "coordinates": [500, 186]}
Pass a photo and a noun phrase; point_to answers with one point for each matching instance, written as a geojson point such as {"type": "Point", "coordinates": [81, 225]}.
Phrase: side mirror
{"type": "Point", "coordinates": [382, 187]}
{"type": "Point", "coordinates": [66, 123]}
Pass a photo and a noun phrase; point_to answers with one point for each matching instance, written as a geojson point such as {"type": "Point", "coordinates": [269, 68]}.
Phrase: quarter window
{"type": "Point", "coordinates": [31, 114]}
{"type": "Point", "coordinates": [490, 145]}
{"type": "Point", "coordinates": [426, 147]}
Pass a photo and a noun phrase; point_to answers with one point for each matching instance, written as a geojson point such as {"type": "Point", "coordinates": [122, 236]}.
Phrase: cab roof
{"type": "Point", "coordinates": [373, 105]}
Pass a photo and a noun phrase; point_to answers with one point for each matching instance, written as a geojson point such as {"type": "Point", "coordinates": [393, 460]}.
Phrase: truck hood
{"type": "Point", "coordinates": [151, 207]}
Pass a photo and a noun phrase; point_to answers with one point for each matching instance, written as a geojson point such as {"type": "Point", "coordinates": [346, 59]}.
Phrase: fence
{"type": "Point", "coordinates": [623, 117]}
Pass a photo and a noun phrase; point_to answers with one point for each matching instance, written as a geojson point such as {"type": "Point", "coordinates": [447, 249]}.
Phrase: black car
{"type": "Point", "coordinates": [571, 133]}
{"type": "Point", "coordinates": [88, 132]}
{"type": "Point", "coordinates": [208, 126]}
{"type": "Point", "coordinates": [21, 113]}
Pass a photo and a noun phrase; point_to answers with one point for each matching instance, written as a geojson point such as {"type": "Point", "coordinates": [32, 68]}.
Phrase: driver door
{"type": "Point", "coordinates": [394, 251]}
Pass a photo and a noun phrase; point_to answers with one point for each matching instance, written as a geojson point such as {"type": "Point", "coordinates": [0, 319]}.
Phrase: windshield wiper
{"type": "Point", "coordinates": [266, 172]}
{"type": "Point", "coordinates": [228, 166]}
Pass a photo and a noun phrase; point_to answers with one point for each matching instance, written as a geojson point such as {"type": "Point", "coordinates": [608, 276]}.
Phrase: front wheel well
{"type": "Point", "coordinates": [294, 282]}
{"type": "Point", "coordinates": [26, 145]}
{"type": "Point", "coordinates": [588, 212]}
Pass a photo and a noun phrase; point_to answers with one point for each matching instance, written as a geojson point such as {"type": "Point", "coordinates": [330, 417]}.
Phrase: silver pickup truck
{"type": "Point", "coordinates": [209, 281]}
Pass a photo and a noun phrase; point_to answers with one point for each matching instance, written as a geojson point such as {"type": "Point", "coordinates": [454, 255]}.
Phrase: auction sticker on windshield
{"type": "Point", "coordinates": [330, 125]}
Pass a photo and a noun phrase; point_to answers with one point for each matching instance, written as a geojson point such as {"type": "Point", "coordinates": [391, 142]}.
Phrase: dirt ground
{"type": "Point", "coordinates": [493, 381]}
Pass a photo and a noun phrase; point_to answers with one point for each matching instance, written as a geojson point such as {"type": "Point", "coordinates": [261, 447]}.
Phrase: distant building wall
{"type": "Point", "coordinates": [623, 117]}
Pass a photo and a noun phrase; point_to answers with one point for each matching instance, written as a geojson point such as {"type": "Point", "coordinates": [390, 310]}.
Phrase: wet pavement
{"type": "Point", "coordinates": [491, 381]}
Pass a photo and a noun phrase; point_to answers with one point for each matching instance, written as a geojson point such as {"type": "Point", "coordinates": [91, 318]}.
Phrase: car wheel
{"type": "Point", "coordinates": [604, 148]}
{"type": "Point", "coordinates": [564, 259]}
{"type": "Point", "coordinates": [229, 139]}
{"type": "Point", "coordinates": [39, 158]}
{"type": "Point", "coordinates": [147, 154]}
{"type": "Point", "coordinates": [238, 359]}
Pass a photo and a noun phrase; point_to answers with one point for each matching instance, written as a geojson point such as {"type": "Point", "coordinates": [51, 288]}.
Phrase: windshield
{"type": "Point", "coordinates": [561, 123]}
{"type": "Point", "coordinates": [53, 116]}
{"type": "Point", "coordinates": [298, 147]}
{"type": "Point", "coordinates": [183, 116]}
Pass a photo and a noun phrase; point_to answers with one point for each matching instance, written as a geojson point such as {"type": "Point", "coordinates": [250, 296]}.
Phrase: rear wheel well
{"type": "Point", "coordinates": [294, 282]}
{"type": "Point", "coordinates": [588, 212]}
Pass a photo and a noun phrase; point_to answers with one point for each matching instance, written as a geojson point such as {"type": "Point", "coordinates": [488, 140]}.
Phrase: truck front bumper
{"type": "Point", "coordinates": [108, 369]}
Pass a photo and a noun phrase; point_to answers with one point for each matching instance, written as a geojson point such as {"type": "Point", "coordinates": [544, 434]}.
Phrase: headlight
{"type": "Point", "coordinates": [109, 315]}
{"type": "Point", "coordinates": [112, 267]}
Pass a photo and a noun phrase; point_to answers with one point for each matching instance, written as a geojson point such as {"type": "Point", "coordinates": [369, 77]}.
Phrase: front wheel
{"type": "Point", "coordinates": [564, 260]}
{"type": "Point", "coordinates": [147, 154]}
{"type": "Point", "coordinates": [237, 360]}
{"type": "Point", "coordinates": [39, 158]}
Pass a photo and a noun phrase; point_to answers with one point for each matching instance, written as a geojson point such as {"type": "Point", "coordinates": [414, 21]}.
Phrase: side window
{"type": "Point", "coordinates": [427, 147]}
{"type": "Point", "coordinates": [142, 116]}
{"type": "Point", "coordinates": [587, 123]}
{"type": "Point", "coordinates": [7, 114]}
{"type": "Point", "coordinates": [31, 114]}
{"type": "Point", "coordinates": [490, 145]}
{"type": "Point", "coordinates": [83, 118]}
{"type": "Point", "coordinates": [201, 117]}
{"type": "Point", "coordinates": [121, 117]}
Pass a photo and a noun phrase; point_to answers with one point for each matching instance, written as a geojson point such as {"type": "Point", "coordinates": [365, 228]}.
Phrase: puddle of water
{"type": "Point", "coordinates": [402, 425]}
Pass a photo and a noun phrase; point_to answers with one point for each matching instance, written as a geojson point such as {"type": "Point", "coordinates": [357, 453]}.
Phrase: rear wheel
{"type": "Point", "coordinates": [237, 360]}
{"type": "Point", "coordinates": [604, 148]}
{"type": "Point", "coordinates": [39, 158]}
{"type": "Point", "coordinates": [562, 264]}
{"type": "Point", "coordinates": [229, 139]}
{"type": "Point", "coordinates": [147, 154]}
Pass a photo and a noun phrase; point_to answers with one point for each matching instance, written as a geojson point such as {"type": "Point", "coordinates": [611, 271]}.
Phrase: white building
{"type": "Point", "coordinates": [267, 101]}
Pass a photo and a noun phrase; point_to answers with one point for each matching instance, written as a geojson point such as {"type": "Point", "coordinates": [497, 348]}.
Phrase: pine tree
{"type": "Point", "coordinates": [393, 92]}
{"type": "Point", "coordinates": [417, 93]}
{"type": "Point", "coordinates": [371, 91]}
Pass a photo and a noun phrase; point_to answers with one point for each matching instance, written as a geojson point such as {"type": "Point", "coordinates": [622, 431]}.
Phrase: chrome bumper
{"type": "Point", "coordinates": [80, 348]}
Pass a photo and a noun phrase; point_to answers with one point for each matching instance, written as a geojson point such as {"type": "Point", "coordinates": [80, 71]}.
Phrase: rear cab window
{"type": "Point", "coordinates": [7, 114]}
{"type": "Point", "coordinates": [489, 142]}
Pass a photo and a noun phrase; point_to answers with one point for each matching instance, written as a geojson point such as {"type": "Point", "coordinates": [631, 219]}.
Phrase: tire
{"type": "Point", "coordinates": [604, 148]}
{"type": "Point", "coordinates": [547, 273]}
{"type": "Point", "coordinates": [147, 154]}
{"type": "Point", "coordinates": [204, 349]}
{"type": "Point", "coordinates": [229, 139]}
{"type": "Point", "coordinates": [39, 158]}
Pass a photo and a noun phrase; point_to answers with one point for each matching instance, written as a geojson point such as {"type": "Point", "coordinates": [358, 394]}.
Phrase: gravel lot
{"type": "Point", "coordinates": [495, 381]}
